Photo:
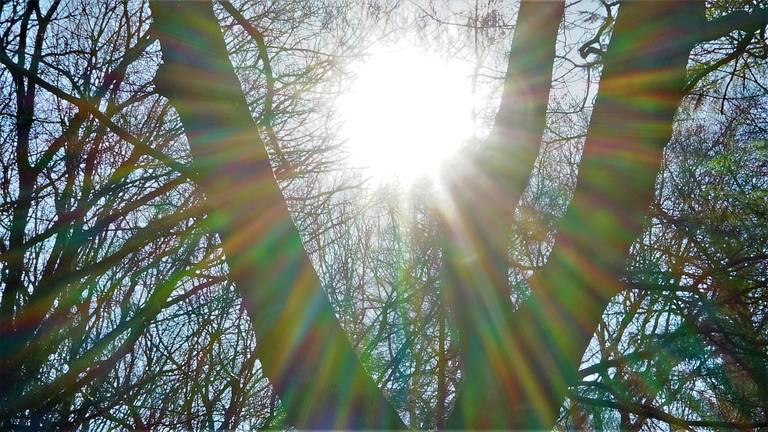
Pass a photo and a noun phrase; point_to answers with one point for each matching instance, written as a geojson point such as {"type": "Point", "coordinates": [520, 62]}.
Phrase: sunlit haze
{"type": "Point", "coordinates": [407, 111]}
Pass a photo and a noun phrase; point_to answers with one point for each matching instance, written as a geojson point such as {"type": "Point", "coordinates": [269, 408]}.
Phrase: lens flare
{"type": "Point", "coordinates": [406, 112]}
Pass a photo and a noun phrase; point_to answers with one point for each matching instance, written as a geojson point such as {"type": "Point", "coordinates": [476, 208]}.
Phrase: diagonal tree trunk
{"type": "Point", "coordinates": [303, 349]}
{"type": "Point", "coordinates": [484, 195]}
{"type": "Point", "coordinates": [640, 89]}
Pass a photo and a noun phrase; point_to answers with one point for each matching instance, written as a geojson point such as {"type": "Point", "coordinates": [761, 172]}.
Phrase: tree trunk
{"type": "Point", "coordinates": [302, 347]}
{"type": "Point", "coordinates": [14, 335]}
{"type": "Point", "coordinates": [641, 87]}
{"type": "Point", "coordinates": [485, 193]}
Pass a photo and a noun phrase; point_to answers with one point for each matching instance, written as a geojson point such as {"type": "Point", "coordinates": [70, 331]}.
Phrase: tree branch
{"type": "Point", "coordinates": [748, 22]}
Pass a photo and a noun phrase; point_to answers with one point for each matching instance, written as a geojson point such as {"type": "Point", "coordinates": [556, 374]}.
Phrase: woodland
{"type": "Point", "coordinates": [187, 241]}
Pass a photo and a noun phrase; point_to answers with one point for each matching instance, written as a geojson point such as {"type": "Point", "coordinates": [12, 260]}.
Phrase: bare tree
{"type": "Point", "coordinates": [206, 260]}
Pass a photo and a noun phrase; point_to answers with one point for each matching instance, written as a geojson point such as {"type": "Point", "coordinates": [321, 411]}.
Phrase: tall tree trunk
{"type": "Point", "coordinates": [12, 333]}
{"type": "Point", "coordinates": [484, 194]}
{"type": "Point", "coordinates": [302, 347]}
{"type": "Point", "coordinates": [442, 378]}
{"type": "Point", "coordinates": [641, 87]}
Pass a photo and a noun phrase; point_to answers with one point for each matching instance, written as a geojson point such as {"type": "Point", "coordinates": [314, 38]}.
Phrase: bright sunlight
{"type": "Point", "coordinates": [407, 111]}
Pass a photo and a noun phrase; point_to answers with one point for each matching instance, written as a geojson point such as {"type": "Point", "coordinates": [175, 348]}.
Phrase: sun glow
{"type": "Point", "coordinates": [407, 111]}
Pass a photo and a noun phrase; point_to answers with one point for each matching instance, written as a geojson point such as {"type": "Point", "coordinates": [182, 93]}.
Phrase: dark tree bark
{"type": "Point", "coordinates": [14, 268]}
{"type": "Point", "coordinates": [641, 87]}
{"type": "Point", "coordinates": [485, 193]}
{"type": "Point", "coordinates": [538, 349]}
{"type": "Point", "coordinates": [302, 347]}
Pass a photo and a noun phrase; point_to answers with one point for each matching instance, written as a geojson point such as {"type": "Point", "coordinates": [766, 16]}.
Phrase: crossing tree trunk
{"type": "Point", "coordinates": [484, 194]}
{"type": "Point", "coordinates": [302, 347]}
{"type": "Point", "coordinates": [641, 87]}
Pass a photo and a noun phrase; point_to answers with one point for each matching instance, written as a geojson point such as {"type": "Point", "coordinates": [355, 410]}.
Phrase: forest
{"type": "Point", "coordinates": [384, 215]}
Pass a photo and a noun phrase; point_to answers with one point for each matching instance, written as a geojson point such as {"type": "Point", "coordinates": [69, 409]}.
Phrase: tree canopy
{"type": "Point", "coordinates": [186, 244]}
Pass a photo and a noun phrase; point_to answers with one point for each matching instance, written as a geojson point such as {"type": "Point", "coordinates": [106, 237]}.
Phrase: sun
{"type": "Point", "coordinates": [406, 112]}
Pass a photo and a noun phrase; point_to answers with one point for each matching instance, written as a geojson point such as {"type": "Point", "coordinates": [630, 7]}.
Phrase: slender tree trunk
{"type": "Point", "coordinates": [641, 87]}
{"type": "Point", "coordinates": [12, 333]}
{"type": "Point", "coordinates": [442, 366]}
{"type": "Point", "coordinates": [485, 193]}
{"type": "Point", "coordinates": [302, 347]}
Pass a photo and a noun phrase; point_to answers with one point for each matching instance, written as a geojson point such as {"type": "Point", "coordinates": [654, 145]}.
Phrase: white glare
{"type": "Point", "coordinates": [407, 111]}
